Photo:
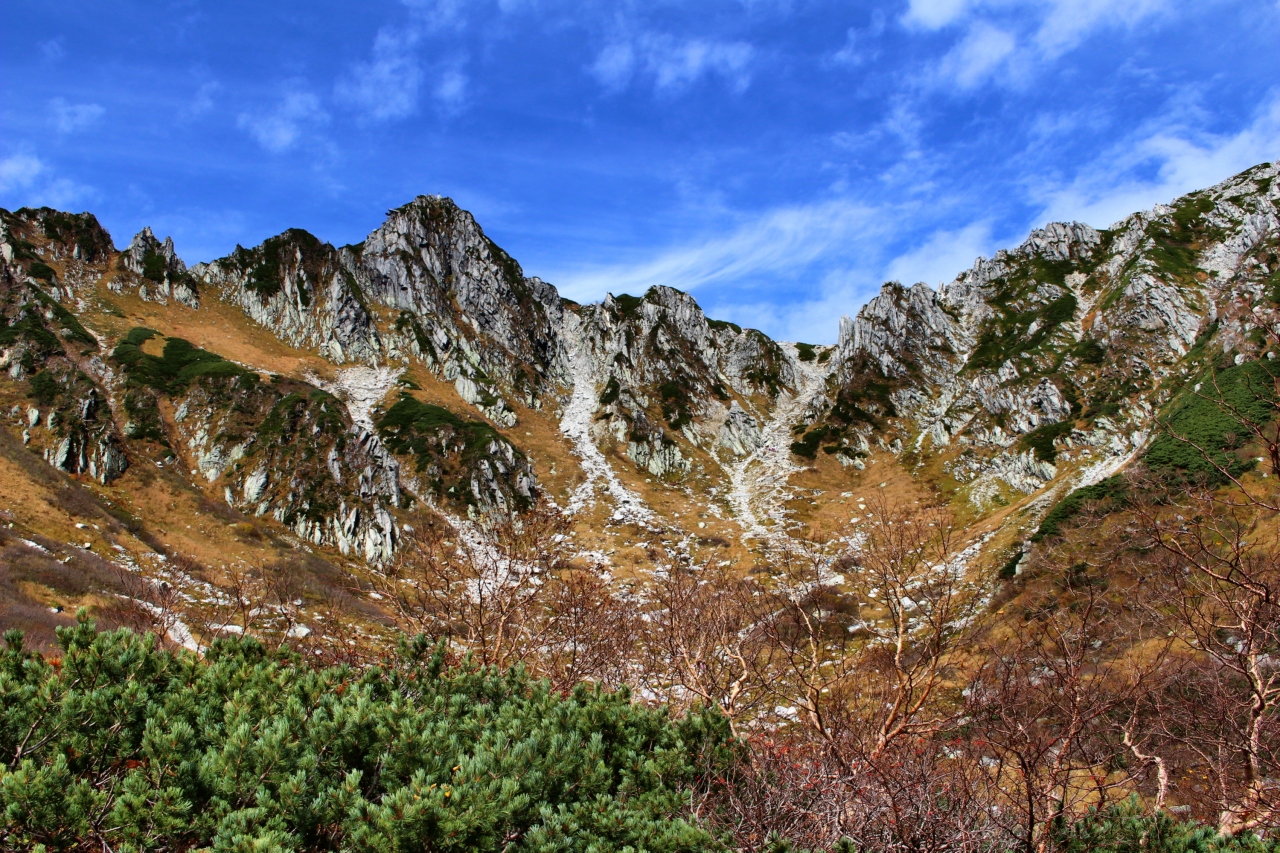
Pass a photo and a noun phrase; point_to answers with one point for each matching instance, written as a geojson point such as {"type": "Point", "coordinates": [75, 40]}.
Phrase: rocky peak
{"type": "Point", "coordinates": [148, 257]}
{"type": "Point", "coordinates": [464, 304]}
{"type": "Point", "coordinates": [59, 236]}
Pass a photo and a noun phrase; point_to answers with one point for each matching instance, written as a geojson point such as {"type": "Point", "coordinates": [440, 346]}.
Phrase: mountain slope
{"type": "Point", "coordinates": [297, 398]}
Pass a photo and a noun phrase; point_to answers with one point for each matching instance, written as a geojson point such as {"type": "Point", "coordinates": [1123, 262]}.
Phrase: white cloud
{"type": "Point", "coordinates": [676, 64]}
{"type": "Point", "coordinates": [68, 118]}
{"type": "Point", "coordinates": [1019, 36]}
{"type": "Point", "coordinates": [298, 114]}
{"type": "Point", "coordinates": [52, 50]}
{"type": "Point", "coordinates": [1070, 21]}
{"type": "Point", "coordinates": [1158, 164]}
{"type": "Point", "coordinates": [614, 66]}
{"type": "Point", "coordinates": [933, 14]}
{"type": "Point", "coordinates": [26, 180]}
{"type": "Point", "coordinates": [814, 320]}
{"type": "Point", "coordinates": [853, 52]}
{"type": "Point", "coordinates": [385, 87]}
{"type": "Point", "coordinates": [673, 64]}
{"type": "Point", "coordinates": [979, 56]}
{"type": "Point", "coordinates": [439, 14]}
{"type": "Point", "coordinates": [778, 242]}
{"type": "Point", "coordinates": [202, 102]}
{"type": "Point", "coordinates": [451, 90]}
{"type": "Point", "coordinates": [19, 171]}
{"type": "Point", "coordinates": [942, 255]}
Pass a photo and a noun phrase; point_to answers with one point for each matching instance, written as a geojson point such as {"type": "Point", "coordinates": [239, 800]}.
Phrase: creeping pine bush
{"type": "Point", "coordinates": [122, 746]}
{"type": "Point", "coordinates": [1126, 828]}
{"type": "Point", "coordinates": [1203, 434]}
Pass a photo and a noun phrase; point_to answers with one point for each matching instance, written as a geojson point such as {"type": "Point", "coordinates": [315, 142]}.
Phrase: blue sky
{"type": "Point", "coordinates": [777, 158]}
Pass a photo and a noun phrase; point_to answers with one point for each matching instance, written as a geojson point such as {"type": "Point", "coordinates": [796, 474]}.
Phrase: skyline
{"type": "Point", "coordinates": [779, 160]}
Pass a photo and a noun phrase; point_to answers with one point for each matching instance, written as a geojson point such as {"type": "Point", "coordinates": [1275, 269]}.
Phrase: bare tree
{"type": "Point", "coordinates": [1222, 565]}
{"type": "Point", "coordinates": [591, 633]}
{"type": "Point", "coordinates": [1051, 705]}
{"type": "Point", "coordinates": [146, 604]}
{"type": "Point", "coordinates": [863, 660]}
{"type": "Point", "coordinates": [868, 659]}
{"type": "Point", "coordinates": [704, 644]}
{"type": "Point", "coordinates": [483, 589]}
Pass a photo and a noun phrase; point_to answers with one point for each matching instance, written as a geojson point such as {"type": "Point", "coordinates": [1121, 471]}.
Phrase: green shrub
{"type": "Point", "coordinates": [1203, 435]}
{"type": "Point", "coordinates": [808, 445]}
{"type": "Point", "coordinates": [438, 441]}
{"type": "Point", "coordinates": [45, 388]}
{"type": "Point", "coordinates": [1125, 828]}
{"type": "Point", "coordinates": [611, 391]}
{"type": "Point", "coordinates": [1041, 439]}
{"type": "Point", "coordinates": [1112, 491]}
{"type": "Point", "coordinates": [42, 271]}
{"type": "Point", "coordinates": [154, 267]}
{"type": "Point", "coordinates": [627, 303]}
{"type": "Point", "coordinates": [1059, 311]}
{"type": "Point", "coordinates": [1089, 351]}
{"type": "Point", "coordinates": [180, 364]}
{"type": "Point", "coordinates": [806, 352]}
{"type": "Point", "coordinates": [121, 746]}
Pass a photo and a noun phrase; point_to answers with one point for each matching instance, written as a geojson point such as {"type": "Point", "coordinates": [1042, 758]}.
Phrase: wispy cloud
{"type": "Point", "coordinates": [934, 14]}
{"type": "Point", "coordinates": [942, 255]}
{"type": "Point", "coordinates": [440, 14]}
{"type": "Point", "coordinates": [1161, 161]}
{"type": "Point", "coordinates": [68, 117]}
{"type": "Point", "coordinates": [52, 50]}
{"type": "Point", "coordinates": [776, 242]}
{"type": "Point", "coordinates": [673, 64]}
{"type": "Point", "coordinates": [26, 180]}
{"type": "Point", "coordinates": [297, 114]}
{"type": "Point", "coordinates": [451, 90]}
{"type": "Point", "coordinates": [614, 66]}
{"type": "Point", "coordinates": [1004, 41]}
{"type": "Point", "coordinates": [1069, 22]}
{"type": "Point", "coordinates": [202, 102]}
{"type": "Point", "coordinates": [19, 171]}
{"type": "Point", "coordinates": [855, 51]}
{"type": "Point", "coordinates": [387, 86]}
{"type": "Point", "coordinates": [979, 56]}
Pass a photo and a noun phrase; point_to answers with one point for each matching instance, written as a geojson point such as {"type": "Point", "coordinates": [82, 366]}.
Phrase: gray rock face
{"type": "Point", "coordinates": [164, 274]}
{"type": "Point", "coordinates": [463, 304]}
{"type": "Point", "coordinates": [457, 302]}
{"type": "Point", "coordinates": [741, 433]}
{"type": "Point", "coordinates": [302, 290]}
{"type": "Point", "coordinates": [667, 373]}
{"type": "Point", "coordinates": [1073, 314]}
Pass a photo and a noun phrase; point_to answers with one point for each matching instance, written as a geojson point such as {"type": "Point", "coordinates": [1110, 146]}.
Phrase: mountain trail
{"type": "Point", "coordinates": [758, 483]}
{"type": "Point", "coordinates": [576, 424]}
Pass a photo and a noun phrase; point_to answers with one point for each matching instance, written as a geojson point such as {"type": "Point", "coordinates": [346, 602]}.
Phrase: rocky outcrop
{"type": "Point", "coordinates": [303, 291]}
{"type": "Point", "coordinates": [463, 305]}
{"type": "Point", "coordinates": [1027, 369]}
{"type": "Point", "coordinates": [740, 434]}
{"type": "Point", "coordinates": [668, 375]}
{"type": "Point", "coordinates": [162, 274]}
{"type": "Point", "coordinates": [1073, 323]}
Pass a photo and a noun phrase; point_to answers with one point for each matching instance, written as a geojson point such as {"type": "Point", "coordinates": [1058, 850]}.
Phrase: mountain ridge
{"type": "Point", "coordinates": [327, 394]}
